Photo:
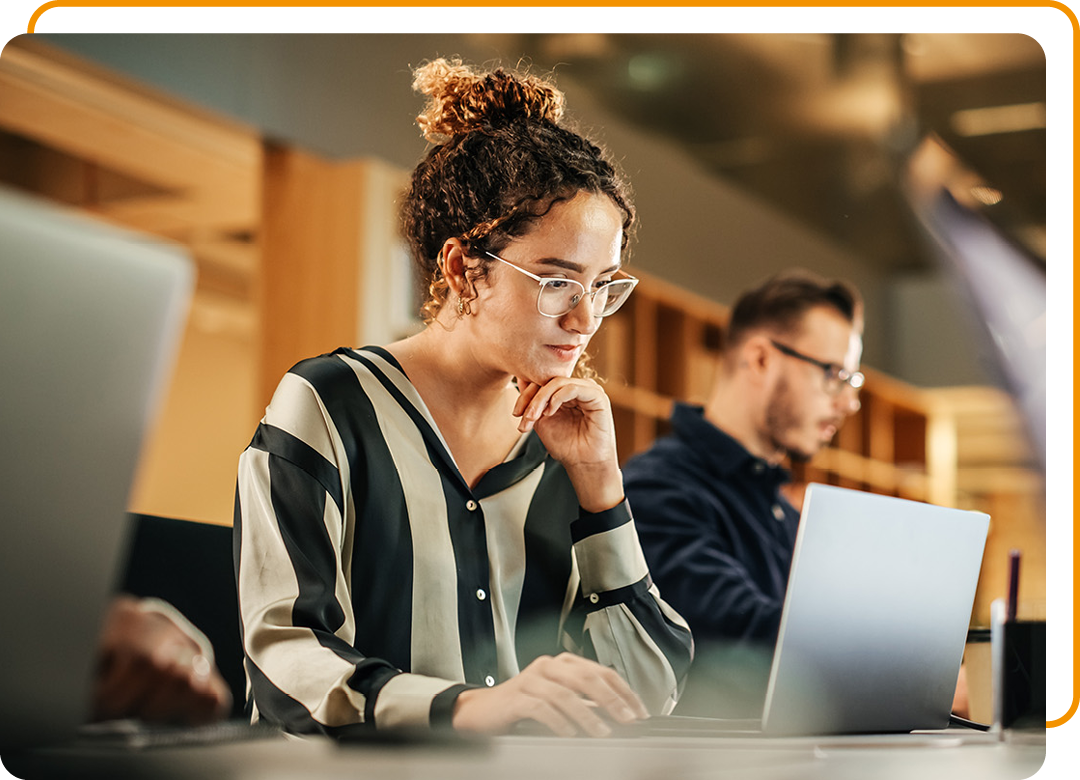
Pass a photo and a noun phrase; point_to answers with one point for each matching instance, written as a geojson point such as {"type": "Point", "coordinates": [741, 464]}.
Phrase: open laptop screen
{"type": "Point", "coordinates": [875, 616]}
{"type": "Point", "coordinates": [91, 317]}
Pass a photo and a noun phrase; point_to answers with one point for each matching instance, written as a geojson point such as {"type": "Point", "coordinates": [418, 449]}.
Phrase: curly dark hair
{"type": "Point", "coordinates": [500, 162]}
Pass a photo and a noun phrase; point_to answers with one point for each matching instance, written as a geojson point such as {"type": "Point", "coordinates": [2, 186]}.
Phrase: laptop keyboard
{"type": "Point", "coordinates": [138, 735]}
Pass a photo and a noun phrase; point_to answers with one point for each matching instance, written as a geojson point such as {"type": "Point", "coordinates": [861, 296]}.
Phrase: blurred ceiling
{"type": "Point", "coordinates": [817, 124]}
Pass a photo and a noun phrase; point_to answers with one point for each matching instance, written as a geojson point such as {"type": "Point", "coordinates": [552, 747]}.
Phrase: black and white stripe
{"type": "Point", "coordinates": [374, 583]}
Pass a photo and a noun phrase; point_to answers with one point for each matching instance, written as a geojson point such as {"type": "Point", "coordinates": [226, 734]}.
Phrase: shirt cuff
{"type": "Point", "coordinates": [608, 551]}
{"type": "Point", "coordinates": [412, 700]}
{"type": "Point", "coordinates": [442, 706]}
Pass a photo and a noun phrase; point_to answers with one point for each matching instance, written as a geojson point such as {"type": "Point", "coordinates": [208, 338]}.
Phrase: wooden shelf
{"type": "Point", "coordinates": [945, 446]}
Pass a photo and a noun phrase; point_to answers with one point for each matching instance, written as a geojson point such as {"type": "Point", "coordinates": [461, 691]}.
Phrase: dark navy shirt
{"type": "Point", "coordinates": [717, 534]}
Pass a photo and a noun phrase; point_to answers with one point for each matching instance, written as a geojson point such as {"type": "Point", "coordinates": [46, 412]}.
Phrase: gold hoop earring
{"type": "Point", "coordinates": [460, 306]}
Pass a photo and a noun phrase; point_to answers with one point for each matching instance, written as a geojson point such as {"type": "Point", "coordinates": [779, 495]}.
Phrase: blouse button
{"type": "Point", "coordinates": [489, 681]}
{"type": "Point", "coordinates": [778, 512]}
{"type": "Point", "coordinates": [480, 594]}
{"type": "Point", "coordinates": [471, 505]}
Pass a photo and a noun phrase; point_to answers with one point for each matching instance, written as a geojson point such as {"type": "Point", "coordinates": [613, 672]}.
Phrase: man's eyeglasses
{"type": "Point", "coordinates": [835, 376]}
{"type": "Point", "coordinates": [559, 296]}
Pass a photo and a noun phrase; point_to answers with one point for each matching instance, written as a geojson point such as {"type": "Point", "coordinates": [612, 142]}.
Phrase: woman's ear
{"type": "Point", "coordinates": [456, 270]}
{"type": "Point", "coordinates": [454, 265]}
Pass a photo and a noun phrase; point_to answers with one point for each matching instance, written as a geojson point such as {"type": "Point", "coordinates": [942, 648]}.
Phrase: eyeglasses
{"type": "Point", "coordinates": [835, 376]}
{"type": "Point", "coordinates": [559, 296]}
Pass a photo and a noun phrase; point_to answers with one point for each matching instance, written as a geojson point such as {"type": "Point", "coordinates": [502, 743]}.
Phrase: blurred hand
{"type": "Point", "coordinates": [567, 693]}
{"type": "Point", "coordinates": [961, 705]}
{"type": "Point", "coordinates": [151, 668]}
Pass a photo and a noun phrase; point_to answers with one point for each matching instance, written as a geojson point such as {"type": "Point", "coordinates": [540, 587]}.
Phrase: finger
{"type": "Point", "coordinates": [571, 708]}
{"type": "Point", "coordinates": [583, 712]}
{"type": "Point", "coordinates": [196, 706]}
{"type": "Point", "coordinates": [617, 697]}
{"type": "Point", "coordinates": [581, 396]}
{"type": "Point", "coordinates": [534, 409]}
{"type": "Point", "coordinates": [601, 684]}
{"type": "Point", "coordinates": [174, 649]}
{"type": "Point", "coordinates": [167, 701]}
{"type": "Point", "coordinates": [547, 714]}
{"type": "Point", "coordinates": [615, 694]}
{"type": "Point", "coordinates": [222, 697]}
{"type": "Point", "coordinates": [202, 698]}
{"type": "Point", "coordinates": [541, 397]}
{"type": "Point", "coordinates": [184, 692]}
{"type": "Point", "coordinates": [585, 396]}
{"type": "Point", "coordinates": [125, 684]}
{"type": "Point", "coordinates": [138, 681]}
{"type": "Point", "coordinates": [526, 391]}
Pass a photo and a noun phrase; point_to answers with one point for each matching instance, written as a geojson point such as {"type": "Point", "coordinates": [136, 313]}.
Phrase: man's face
{"type": "Point", "coordinates": [801, 414]}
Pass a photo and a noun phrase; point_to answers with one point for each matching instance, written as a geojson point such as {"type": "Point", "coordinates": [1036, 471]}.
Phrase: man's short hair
{"type": "Point", "coordinates": [780, 303]}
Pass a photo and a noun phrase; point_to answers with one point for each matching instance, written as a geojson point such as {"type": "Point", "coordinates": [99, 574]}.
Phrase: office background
{"type": "Point", "coordinates": [276, 158]}
{"type": "Point", "coordinates": [748, 152]}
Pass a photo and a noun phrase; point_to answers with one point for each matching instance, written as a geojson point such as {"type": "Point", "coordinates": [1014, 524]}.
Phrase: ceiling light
{"type": "Point", "coordinates": [988, 196]}
{"type": "Point", "coordinates": [651, 72]}
{"type": "Point", "coordinates": [999, 119]}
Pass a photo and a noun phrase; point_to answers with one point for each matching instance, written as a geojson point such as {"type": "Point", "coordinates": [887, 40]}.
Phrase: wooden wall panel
{"type": "Point", "coordinates": [209, 165]}
{"type": "Point", "coordinates": [311, 256]}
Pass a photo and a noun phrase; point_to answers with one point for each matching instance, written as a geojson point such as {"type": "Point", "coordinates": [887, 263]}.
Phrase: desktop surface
{"type": "Point", "coordinates": [945, 755]}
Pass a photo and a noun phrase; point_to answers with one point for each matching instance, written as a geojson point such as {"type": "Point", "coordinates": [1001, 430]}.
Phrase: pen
{"type": "Point", "coordinates": [1014, 584]}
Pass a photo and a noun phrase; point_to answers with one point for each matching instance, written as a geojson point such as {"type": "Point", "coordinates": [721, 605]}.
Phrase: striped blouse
{"type": "Point", "coordinates": [375, 585]}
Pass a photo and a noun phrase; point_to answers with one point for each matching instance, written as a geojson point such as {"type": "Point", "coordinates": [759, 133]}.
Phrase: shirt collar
{"type": "Point", "coordinates": [721, 452]}
{"type": "Point", "coordinates": [525, 458]}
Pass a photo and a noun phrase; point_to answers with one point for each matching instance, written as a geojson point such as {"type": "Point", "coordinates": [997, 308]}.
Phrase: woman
{"type": "Point", "coordinates": [435, 533]}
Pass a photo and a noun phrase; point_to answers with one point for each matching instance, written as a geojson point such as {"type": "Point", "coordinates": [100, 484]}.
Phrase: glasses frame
{"type": "Point", "coordinates": [545, 281]}
{"type": "Point", "coordinates": [834, 374]}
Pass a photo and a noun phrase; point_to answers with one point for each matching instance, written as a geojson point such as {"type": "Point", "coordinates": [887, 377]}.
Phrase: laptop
{"type": "Point", "coordinates": [90, 320]}
{"type": "Point", "coordinates": [874, 622]}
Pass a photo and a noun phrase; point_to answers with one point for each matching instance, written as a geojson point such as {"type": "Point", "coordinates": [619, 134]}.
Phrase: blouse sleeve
{"type": "Point", "coordinates": [626, 625]}
{"type": "Point", "coordinates": [295, 602]}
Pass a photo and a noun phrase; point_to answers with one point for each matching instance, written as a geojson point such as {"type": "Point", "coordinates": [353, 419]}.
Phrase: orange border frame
{"type": "Point", "coordinates": [705, 4]}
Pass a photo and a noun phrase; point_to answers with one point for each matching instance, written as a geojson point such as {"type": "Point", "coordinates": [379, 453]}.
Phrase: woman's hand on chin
{"type": "Point", "coordinates": [572, 417]}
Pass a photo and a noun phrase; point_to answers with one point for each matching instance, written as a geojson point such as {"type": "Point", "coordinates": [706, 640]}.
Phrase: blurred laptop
{"type": "Point", "coordinates": [874, 623]}
{"type": "Point", "coordinates": [90, 320]}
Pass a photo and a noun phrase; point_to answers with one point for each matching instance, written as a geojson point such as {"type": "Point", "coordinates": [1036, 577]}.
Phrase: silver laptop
{"type": "Point", "coordinates": [874, 623]}
{"type": "Point", "coordinates": [90, 318]}
{"type": "Point", "coordinates": [876, 615]}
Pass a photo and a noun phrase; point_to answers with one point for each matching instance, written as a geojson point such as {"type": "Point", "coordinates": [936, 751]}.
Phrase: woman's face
{"type": "Point", "coordinates": [578, 239]}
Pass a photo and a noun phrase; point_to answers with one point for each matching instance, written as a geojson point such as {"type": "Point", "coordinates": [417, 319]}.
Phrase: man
{"type": "Point", "coordinates": [717, 532]}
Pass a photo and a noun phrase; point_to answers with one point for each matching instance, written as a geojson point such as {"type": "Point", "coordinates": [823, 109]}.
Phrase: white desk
{"type": "Point", "coordinates": [968, 755]}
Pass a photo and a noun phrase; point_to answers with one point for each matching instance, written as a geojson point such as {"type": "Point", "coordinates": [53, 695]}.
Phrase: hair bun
{"type": "Point", "coordinates": [463, 99]}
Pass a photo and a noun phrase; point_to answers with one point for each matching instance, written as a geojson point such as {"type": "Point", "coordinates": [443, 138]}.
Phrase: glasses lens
{"type": "Point", "coordinates": [611, 296]}
{"type": "Point", "coordinates": [838, 377]}
{"type": "Point", "coordinates": [558, 296]}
